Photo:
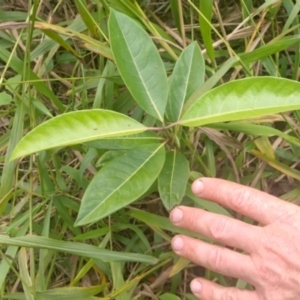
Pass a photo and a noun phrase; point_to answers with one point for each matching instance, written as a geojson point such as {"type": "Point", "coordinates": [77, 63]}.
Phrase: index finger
{"type": "Point", "coordinates": [248, 201]}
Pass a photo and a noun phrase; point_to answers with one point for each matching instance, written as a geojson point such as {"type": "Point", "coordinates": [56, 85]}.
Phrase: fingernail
{"type": "Point", "coordinates": [176, 215]}
{"type": "Point", "coordinates": [197, 186]}
{"type": "Point", "coordinates": [196, 286]}
{"type": "Point", "coordinates": [177, 243]}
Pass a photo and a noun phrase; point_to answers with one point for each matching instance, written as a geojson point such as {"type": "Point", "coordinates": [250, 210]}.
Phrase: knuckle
{"type": "Point", "coordinates": [193, 219]}
{"type": "Point", "coordinates": [269, 273]}
{"type": "Point", "coordinates": [218, 229]}
{"type": "Point", "coordinates": [229, 294]}
{"type": "Point", "coordinates": [215, 259]}
{"type": "Point", "coordinates": [223, 294]}
{"type": "Point", "coordinates": [240, 198]}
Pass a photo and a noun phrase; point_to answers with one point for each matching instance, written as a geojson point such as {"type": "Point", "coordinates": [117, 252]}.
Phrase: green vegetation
{"type": "Point", "coordinates": [109, 110]}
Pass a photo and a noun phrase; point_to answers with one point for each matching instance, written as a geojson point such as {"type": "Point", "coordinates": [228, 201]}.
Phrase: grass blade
{"type": "Point", "coordinates": [75, 248]}
{"type": "Point", "coordinates": [206, 8]}
{"type": "Point", "coordinates": [24, 273]}
{"type": "Point", "coordinates": [67, 293]}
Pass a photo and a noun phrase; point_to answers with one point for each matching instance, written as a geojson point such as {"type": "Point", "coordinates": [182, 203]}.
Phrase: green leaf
{"type": "Point", "coordinates": [206, 9]}
{"type": "Point", "coordinates": [121, 181]}
{"type": "Point", "coordinates": [58, 39]}
{"type": "Point", "coordinates": [126, 142]}
{"type": "Point", "coordinates": [155, 221]}
{"type": "Point", "coordinates": [41, 107]}
{"type": "Point", "coordinates": [86, 16]}
{"type": "Point", "coordinates": [210, 82]}
{"type": "Point", "coordinates": [18, 66]}
{"type": "Point", "coordinates": [11, 252]}
{"type": "Point", "coordinates": [79, 249]}
{"type": "Point", "coordinates": [70, 32]}
{"type": "Point", "coordinates": [24, 273]}
{"type": "Point", "coordinates": [291, 172]}
{"type": "Point", "coordinates": [126, 7]}
{"type": "Point", "coordinates": [5, 98]}
{"type": "Point", "coordinates": [205, 204]}
{"type": "Point", "coordinates": [67, 293]}
{"type": "Point", "coordinates": [168, 296]}
{"type": "Point", "coordinates": [256, 130]}
{"type": "Point", "coordinates": [74, 128]}
{"type": "Point", "coordinates": [174, 4]}
{"type": "Point", "coordinates": [173, 179]}
{"type": "Point", "coordinates": [272, 47]}
{"type": "Point", "coordinates": [243, 99]}
{"type": "Point", "coordinates": [188, 75]}
{"type": "Point", "coordinates": [139, 64]}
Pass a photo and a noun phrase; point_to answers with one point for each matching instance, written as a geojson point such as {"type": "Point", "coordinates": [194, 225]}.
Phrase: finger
{"type": "Point", "coordinates": [216, 258]}
{"type": "Point", "coordinates": [220, 228]}
{"type": "Point", "coordinates": [207, 290]}
{"type": "Point", "coordinates": [250, 202]}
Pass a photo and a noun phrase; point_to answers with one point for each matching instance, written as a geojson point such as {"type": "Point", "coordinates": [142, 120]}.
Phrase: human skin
{"type": "Point", "coordinates": [268, 255]}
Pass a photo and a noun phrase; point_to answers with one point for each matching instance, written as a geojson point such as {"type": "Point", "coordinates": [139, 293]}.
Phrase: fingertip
{"type": "Point", "coordinates": [208, 290]}
{"type": "Point", "coordinates": [196, 286]}
{"type": "Point", "coordinates": [176, 215]}
{"type": "Point", "coordinates": [177, 243]}
{"type": "Point", "coordinates": [197, 187]}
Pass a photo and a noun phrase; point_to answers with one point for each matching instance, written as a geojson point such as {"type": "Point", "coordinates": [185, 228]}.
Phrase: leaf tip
{"type": "Point", "coordinates": [79, 222]}
{"type": "Point", "coordinates": [14, 155]}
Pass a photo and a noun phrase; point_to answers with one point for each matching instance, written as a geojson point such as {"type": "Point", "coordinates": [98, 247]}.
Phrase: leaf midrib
{"type": "Point", "coordinates": [172, 176]}
{"type": "Point", "coordinates": [186, 87]}
{"type": "Point", "coordinates": [79, 141]}
{"type": "Point", "coordinates": [204, 117]}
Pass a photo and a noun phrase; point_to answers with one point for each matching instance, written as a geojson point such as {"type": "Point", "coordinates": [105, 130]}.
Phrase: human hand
{"type": "Point", "coordinates": [271, 258]}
